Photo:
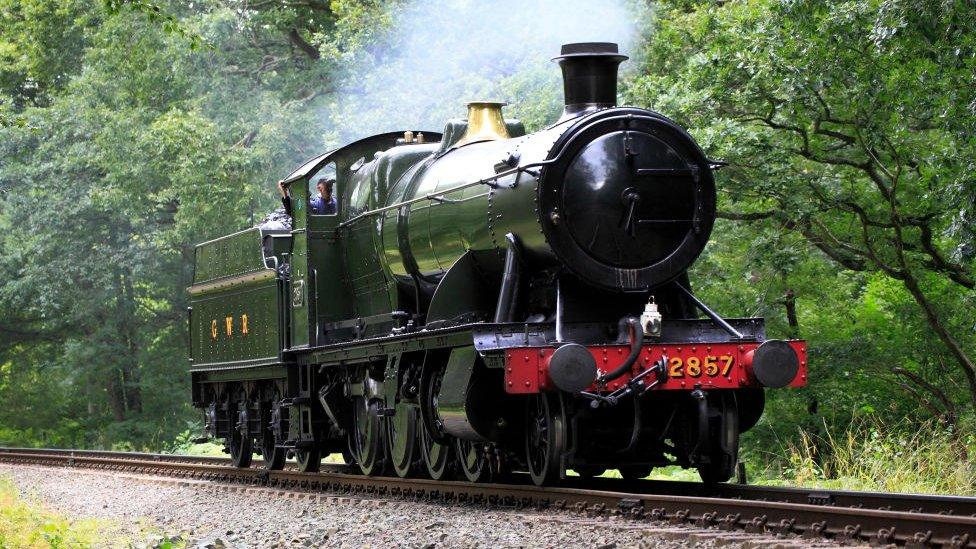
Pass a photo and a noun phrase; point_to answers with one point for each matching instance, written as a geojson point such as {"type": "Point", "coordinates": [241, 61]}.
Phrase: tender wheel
{"type": "Point", "coordinates": [366, 437]}
{"type": "Point", "coordinates": [437, 457]}
{"type": "Point", "coordinates": [401, 432]}
{"type": "Point", "coordinates": [545, 438]}
{"type": "Point", "coordinates": [309, 461]}
{"type": "Point", "coordinates": [239, 441]}
{"type": "Point", "coordinates": [271, 426]}
{"type": "Point", "coordinates": [473, 460]}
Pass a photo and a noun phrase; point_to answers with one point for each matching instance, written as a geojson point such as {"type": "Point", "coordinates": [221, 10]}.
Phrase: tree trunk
{"type": "Point", "coordinates": [125, 310]}
{"type": "Point", "coordinates": [789, 301]}
{"type": "Point", "coordinates": [116, 400]}
{"type": "Point", "coordinates": [968, 368]}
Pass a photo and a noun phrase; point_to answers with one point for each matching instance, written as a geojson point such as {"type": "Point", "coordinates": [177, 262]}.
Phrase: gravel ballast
{"type": "Point", "coordinates": [209, 515]}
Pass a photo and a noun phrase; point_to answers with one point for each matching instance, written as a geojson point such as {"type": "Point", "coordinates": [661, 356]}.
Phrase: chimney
{"type": "Point", "coordinates": [589, 76]}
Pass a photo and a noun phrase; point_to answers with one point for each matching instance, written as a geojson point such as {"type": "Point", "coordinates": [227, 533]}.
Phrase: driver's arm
{"type": "Point", "coordinates": [285, 199]}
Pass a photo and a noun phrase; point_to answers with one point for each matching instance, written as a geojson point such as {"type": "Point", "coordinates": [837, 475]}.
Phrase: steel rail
{"type": "Point", "coordinates": [845, 524]}
{"type": "Point", "coordinates": [891, 501]}
{"type": "Point", "coordinates": [143, 456]}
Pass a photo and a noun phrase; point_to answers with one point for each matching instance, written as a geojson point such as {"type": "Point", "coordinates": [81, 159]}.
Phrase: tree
{"type": "Point", "coordinates": [849, 123]}
{"type": "Point", "coordinates": [136, 145]}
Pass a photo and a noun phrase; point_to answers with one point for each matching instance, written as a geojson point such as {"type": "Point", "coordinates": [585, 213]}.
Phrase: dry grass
{"type": "Point", "coordinates": [876, 457]}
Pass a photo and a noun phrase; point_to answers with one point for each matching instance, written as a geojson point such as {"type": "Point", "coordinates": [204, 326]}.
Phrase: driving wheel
{"type": "Point", "coordinates": [437, 457]}
{"type": "Point", "coordinates": [401, 434]}
{"type": "Point", "coordinates": [366, 437]}
{"type": "Point", "coordinates": [309, 461]}
{"type": "Point", "coordinates": [473, 461]}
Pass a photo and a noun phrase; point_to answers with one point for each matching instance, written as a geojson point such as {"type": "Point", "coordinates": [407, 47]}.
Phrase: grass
{"type": "Point", "coordinates": [202, 449]}
{"type": "Point", "coordinates": [868, 455]}
{"type": "Point", "coordinates": [659, 473]}
{"type": "Point", "coordinates": [872, 456]}
{"type": "Point", "coordinates": [28, 525]}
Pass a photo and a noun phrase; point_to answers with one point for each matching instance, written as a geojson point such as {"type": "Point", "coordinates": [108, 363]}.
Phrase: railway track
{"type": "Point", "coordinates": [853, 517]}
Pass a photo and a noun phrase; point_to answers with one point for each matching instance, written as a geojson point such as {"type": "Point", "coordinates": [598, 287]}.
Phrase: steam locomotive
{"type": "Point", "coordinates": [487, 302]}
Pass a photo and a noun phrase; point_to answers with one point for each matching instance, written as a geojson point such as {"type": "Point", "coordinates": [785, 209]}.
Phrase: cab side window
{"type": "Point", "coordinates": [322, 199]}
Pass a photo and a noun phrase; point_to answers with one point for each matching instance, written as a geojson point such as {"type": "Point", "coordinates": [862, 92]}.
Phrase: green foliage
{"type": "Point", "coordinates": [134, 149]}
{"type": "Point", "coordinates": [877, 456]}
{"type": "Point", "coordinates": [849, 187]}
{"type": "Point", "coordinates": [155, 14]}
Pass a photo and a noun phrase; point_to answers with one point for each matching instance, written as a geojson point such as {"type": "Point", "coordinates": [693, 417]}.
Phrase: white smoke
{"type": "Point", "coordinates": [443, 54]}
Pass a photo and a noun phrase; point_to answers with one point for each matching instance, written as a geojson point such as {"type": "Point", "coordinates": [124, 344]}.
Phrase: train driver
{"type": "Point", "coordinates": [323, 204]}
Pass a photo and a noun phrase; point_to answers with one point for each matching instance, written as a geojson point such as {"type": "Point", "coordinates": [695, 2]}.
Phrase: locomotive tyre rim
{"type": "Point", "coordinates": [241, 447]}
{"type": "Point", "coordinates": [436, 456]}
{"type": "Point", "coordinates": [367, 440]}
{"type": "Point", "coordinates": [274, 457]}
{"type": "Point", "coordinates": [545, 438]}
{"type": "Point", "coordinates": [473, 460]}
{"type": "Point", "coordinates": [309, 461]}
{"type": "Point", "coordinates": [401, 433]}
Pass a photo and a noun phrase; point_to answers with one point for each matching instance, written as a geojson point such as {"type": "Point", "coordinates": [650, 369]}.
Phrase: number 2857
{"type": "Point", "coordinates": [710, 366]}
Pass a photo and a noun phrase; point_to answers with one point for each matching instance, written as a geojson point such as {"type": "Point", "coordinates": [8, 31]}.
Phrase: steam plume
{"type": "Point", "coordinates": [443, 54]}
